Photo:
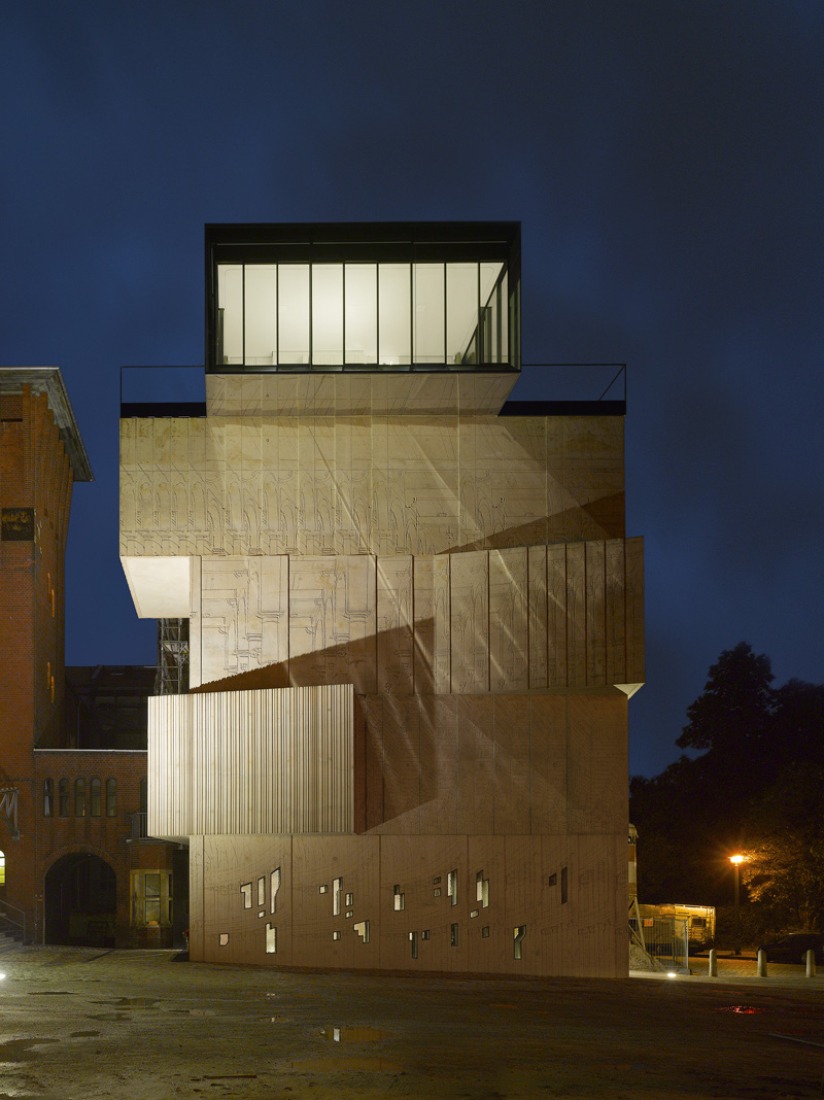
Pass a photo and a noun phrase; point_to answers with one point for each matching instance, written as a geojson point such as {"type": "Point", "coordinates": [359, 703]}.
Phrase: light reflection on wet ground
{"type": "Point", "coordinates": [353, 1034]}
{"type": "Point", "coordinates": [127, 1024]}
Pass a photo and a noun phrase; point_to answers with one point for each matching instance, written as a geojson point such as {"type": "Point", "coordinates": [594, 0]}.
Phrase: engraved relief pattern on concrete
{"type": "Point", "coordinates": [367, 484]}
{"type": "Point", "coordinates": [512, 620]}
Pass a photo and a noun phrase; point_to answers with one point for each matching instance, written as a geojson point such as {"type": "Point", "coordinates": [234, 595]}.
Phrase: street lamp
{"type": "Point", "coordinates": [736, 862]}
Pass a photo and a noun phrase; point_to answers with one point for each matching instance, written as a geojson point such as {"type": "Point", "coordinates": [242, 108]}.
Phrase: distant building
{"type": "Point", "coordinates": [414, 616]}
{"type": "Point", "coordinates": [76, 864]}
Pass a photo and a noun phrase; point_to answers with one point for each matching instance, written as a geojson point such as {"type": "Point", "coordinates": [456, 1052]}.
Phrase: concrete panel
{"type": "Point", "coordinates": [538, 634]}
{"type": "Point", "coordinates": [424, 623]}
{"type": "Point", "coordinates": [395, 625]}
{"type": "Point", "coordinates": [442, 625]}
{"type": "Point", "coordinates": [548, 764]}
{"type": "Point", "coordinates": [597, 754]}
{"type": "Point", "coordinates": [251, 762]}
{"type": "Point", "coordinates": [475, 770]}
{"type": "Point", "coordinates": [401, 760]}
{"type": "Point", "coordinates": [512, 764]}
{"type": "Point", "coordinates": [595, 614]}
{"type": "Point", "coordinates": [469, 622]}
{"type": "Point", "coordinates": [615, 612]}
{"type": "Point", "coordinates": [508, 620]}
{"type": "Point", "coordinates": [556, 597]}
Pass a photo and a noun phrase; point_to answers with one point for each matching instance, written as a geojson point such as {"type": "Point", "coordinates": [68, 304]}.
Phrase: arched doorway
{"type": "Point", "coordinates": [81, 901]}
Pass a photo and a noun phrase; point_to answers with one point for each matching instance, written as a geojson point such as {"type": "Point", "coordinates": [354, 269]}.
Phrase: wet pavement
{"type": "Point", "coordinates": [85, 1023]}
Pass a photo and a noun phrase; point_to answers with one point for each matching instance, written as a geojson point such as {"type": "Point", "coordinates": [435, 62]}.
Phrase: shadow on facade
{"type": "Point", "coordinates": [80, 901]}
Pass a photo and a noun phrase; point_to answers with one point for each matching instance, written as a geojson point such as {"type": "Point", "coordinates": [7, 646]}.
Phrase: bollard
{"type": "Point", "coordinates": [761, 965]}
{"type": "Point", "coordinates": [713, 969]}
{"type": "Point", "coordinates": [810, 963]}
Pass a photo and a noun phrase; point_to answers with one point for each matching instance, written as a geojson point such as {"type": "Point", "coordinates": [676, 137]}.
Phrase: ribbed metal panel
{"type": "Point", "coordinates": [268, 761]}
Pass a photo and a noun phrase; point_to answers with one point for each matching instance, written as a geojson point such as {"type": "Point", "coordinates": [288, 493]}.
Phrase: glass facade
{"type": "Point", "coordinates": [362, 315]}
{"type": "Point", "coordinates": [323, 301]}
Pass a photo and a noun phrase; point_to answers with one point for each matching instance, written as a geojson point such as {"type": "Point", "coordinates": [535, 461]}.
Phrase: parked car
{"type": "Point", "coordinates": [793, 948]}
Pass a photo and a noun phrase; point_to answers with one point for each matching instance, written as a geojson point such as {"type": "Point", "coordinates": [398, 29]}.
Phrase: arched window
{"type": "Point", "coordinates": [48, 797]}
{"type": "Point", "coordinates": [111, 797]}
{"type": "Point", "coordinates": [63, 798]}
{"type": "Point", "coordinates": [80, 798]}
{"type": "Point", "coordinates": [94, 798]}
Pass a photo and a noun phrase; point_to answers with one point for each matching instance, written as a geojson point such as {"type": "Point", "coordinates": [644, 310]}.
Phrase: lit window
{"type": "Point", "coordinates": [48, 797]}
{"type": "Point", "coordinates": [272, 315]}
{"type": "Point", "coordinates": [95, 798]}
{"type": "Point", "coordinates": [80, 798]}
{"type": "Point", "coordinates": [452, 887]}
{"type": "Point", "coordinates": [151, 898]}
{"type": "Point", "coordinates": [518, 938]}
{"type": "Point", "coordinates": [111, 797]}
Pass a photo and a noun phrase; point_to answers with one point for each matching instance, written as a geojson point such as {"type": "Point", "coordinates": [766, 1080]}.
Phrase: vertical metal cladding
{"type": "Point", "coordinates": [277, 760]}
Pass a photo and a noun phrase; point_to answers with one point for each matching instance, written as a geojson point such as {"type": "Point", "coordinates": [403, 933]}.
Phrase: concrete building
{"type": "Point", "coordinates": [415, 618]}
{"type": "Point", "coordinates": [74, 856]}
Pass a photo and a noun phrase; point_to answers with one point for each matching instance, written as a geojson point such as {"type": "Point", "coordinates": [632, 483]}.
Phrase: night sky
{"type": "Point", "coordinates": [665, 160]}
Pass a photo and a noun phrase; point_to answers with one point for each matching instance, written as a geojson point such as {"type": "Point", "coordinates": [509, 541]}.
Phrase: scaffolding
{"type": "Point", "coordinates": [172, 657]}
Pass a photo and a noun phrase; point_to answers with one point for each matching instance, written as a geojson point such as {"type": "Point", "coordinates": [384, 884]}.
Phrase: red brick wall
{"type": "Point", "coordinates": [35, 473]}
{"type": "Point", "coordinates": [103, 836]}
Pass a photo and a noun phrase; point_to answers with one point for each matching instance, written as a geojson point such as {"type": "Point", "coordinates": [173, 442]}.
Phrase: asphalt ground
{"type": "Point", "coordinates": [83, 1023]}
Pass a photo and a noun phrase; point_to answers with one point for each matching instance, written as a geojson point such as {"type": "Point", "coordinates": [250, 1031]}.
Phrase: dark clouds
{"type": "Point", "coordinates": [665, 159]}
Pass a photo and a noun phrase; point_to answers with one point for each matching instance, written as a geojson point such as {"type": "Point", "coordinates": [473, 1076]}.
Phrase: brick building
{"type": "Point", "coordinates": [76, 864]}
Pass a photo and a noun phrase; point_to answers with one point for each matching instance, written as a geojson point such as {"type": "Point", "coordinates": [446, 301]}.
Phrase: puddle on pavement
{"type": "Point", "coordinates": [353, 1034]}
{"type": "Point", "coordinates": [185, 1012]}
{"type": "Point", "coordinates": [137, 1002]}
{"type": "Point", "coordinates": [362, 1064]}
{"type": "Point", "coordinates": [20, 1050]}
{"type": "Point", "coordinates": [50, 993]}
{"type": "Point", "coordinates": [130, 1002]}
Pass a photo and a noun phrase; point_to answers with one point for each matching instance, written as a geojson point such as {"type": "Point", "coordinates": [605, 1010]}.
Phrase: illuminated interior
{"type": "Point", "coordinates": [362, 314]}
{"type": "Point", "coordinates": [394, 298]}
{"type": "Point", "coordinates": [151, 893]}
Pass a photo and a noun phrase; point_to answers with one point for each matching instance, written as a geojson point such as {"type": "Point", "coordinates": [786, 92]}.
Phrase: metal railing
{"type": "Point", "coordinates": [573, 382]}
{"type": "Point", "coordinates": [14, 925]}
{"type": "Point", "coordinates": [179, 390]}
{"type": "Point", "coordinates": [667, 940]}
{"type": "Point", "coordinates": [563, 388]}
{"type": "Point", "coordinates": [139, 826]}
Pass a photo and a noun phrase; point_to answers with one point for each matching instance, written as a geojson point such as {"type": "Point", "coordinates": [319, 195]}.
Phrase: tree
{"type": "Point", "coordinates": [784, 873]}
{"type": "Point", "coordinates": [732, 715]}
{"type": "Point", "coordinates": [756, 785]}
{"type": "Point", "coordinates": [696, 808]}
